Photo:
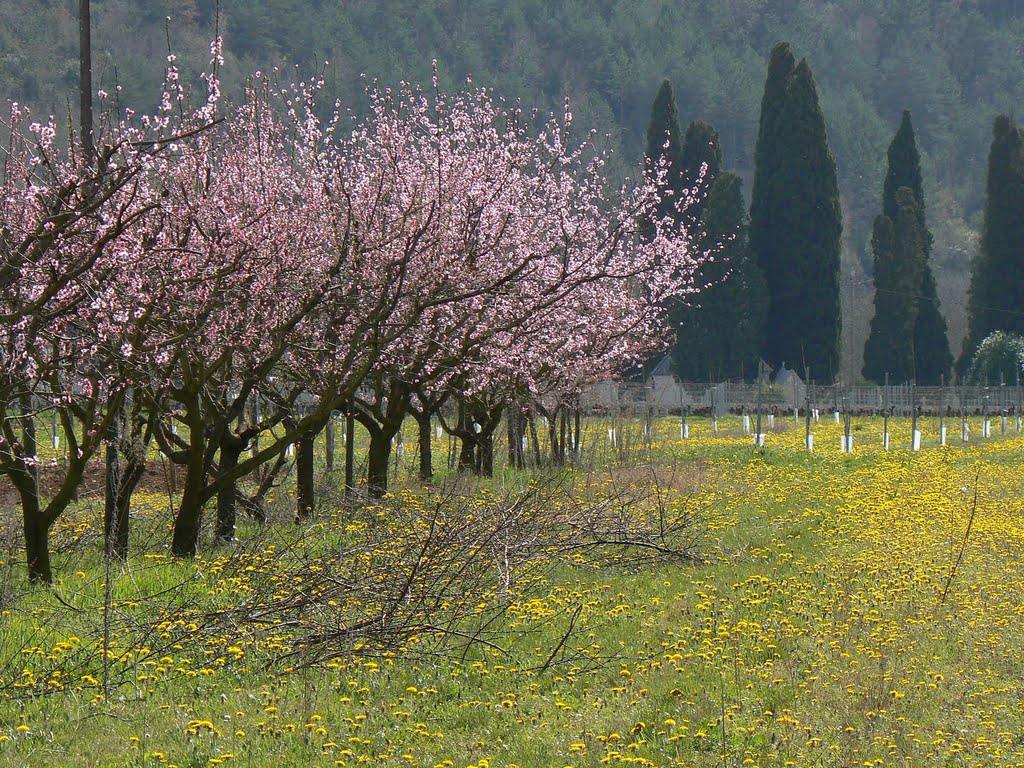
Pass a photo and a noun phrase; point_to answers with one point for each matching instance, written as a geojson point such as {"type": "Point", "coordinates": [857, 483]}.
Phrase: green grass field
{"type": "Point", "coordinates": [843, 610]}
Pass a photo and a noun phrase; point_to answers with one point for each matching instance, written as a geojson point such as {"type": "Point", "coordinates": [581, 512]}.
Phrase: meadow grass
{"type": "Point", "coordinates": [839, 614]}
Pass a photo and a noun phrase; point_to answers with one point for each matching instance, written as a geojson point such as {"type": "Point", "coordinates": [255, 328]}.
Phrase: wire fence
{"type": "Point", "coordinates": [665, 396]}
{"type": "Point", "coordinates": [629, 420]}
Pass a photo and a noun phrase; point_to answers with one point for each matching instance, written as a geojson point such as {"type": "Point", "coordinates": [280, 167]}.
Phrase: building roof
{"type": "Point", "coordinates": [786, 376]}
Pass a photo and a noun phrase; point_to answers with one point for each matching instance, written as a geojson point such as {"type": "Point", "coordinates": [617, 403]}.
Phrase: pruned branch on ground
{"type": "Point", "coordinates": [437, 574]}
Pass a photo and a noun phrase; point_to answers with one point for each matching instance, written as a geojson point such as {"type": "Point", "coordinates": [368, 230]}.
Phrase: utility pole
{"type": "Point", "coordinates": [85, 121]}
{"type": "Point", "coordinates": [85, 79]}
{"type": "Point", "coordinates": [808, 439]}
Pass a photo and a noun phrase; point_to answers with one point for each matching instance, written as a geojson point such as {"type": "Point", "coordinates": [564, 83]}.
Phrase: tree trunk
{"type": "Point", "coordinates": [486, 451]}
{"type": "Point", "coordinates": [37, 543]}
{"type": "Point", "coordinates": [117, 536]}
{"type": "Point", "coordinates": [37, 520]}
{"type": "Point", "coordinates": [467, 439]}
{"type": "Point", "coordinates": [26, 480]}
{"type": "Point", "coordinates": [532, 425]}
{"type": "Point", "coordinates": [131, 448]}
{"type": "Point", "coordinates": [426, 456]}
{"type": "Point", "coordinates": [329, 443]}
{"type": "Point", "coordinates": [563, 429]}
{"type": "Point", "coordinates": [556, 448]}
{"type": "Point", "coordinates": [350, 451]}
{"type": "Point", "coordinates": [227, 495]}
{"type": "Point", "coordinates": [188, 522]}
{"type": "Point", "coordinates": [112, 485]}
{"type": "Point", "coordinates": [28, 439]}
{"type": "Point", "coordinates": [377, 462]}
{"type": "Point", "coordinates": [515, 432]}
{"type": "Point", "coordinates": [576, 451]}
{"type": "Point", "coordinates": [305, 491]}
{"type": "Point", "coordinates": [467, 452]}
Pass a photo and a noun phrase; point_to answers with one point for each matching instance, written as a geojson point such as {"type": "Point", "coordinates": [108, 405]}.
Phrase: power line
{"type": "Point", "coordinates": [935, 300]}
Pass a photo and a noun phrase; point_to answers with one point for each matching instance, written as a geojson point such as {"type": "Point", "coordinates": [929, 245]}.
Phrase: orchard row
{"type": "Point", "coordinates": [217, 281]}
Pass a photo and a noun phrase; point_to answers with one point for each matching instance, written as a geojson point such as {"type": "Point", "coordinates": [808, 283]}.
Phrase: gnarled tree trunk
{"type": "Point", "coordinates": [425, 446]}
{"type": "Point", "coordinates": [305, 475]}
{"type": "Point", "coordinates": [231, 448]}
{"type": "Point", "coordinates": [188, 521]}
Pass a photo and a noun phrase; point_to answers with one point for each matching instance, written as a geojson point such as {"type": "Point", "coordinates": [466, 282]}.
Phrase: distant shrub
{"type": "Point", "coordinates": [998, 354]}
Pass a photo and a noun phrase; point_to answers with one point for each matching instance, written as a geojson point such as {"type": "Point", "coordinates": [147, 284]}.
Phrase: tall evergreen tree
{"type": "Point", "coordinates": [996, 299]}
{"type": "Point", "coordinates": [903, 170]}
{"type": "Point", "coordinates": [899, 257]}
{"type": "Point", "coordinates": [766, 204]}
{"type": "Point", "coordinates": [665, 140]}
{"type": "Point", "coordinates": [718, 337]}
{"type": "Point", "coordinates": [932, 357]}
{"type": "Point", "coordinates": [665, 145]}
{"type": "Point", "coordinates": [701, 149]}
{"type": "Point", "coordinates": [796, 222]}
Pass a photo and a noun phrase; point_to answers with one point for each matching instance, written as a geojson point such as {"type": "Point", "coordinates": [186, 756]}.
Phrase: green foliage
{"type": "Point", "coordinates": [702, 151]}
{"type": "Point", "coordinates": [998, 359]}
{"type": "Point", "coordinates": [767, 208]}
{"type": "Point", "coordinates": [879, 357]}
{"type": "Point", "coordinates": [766, 204]}
{"type": "Point", "coordinates": [899, 248]}
{"type": "Point", "coordinates": [665, 144]}
{"type": "Point", "coordinates": [665, 140]}
{"type": "Point", "coordinates": [996, 300]}
{"type": "Point", "coordinates": [795, 221]}
{"type": "Point", "coordinates": [932, 358]}
{"type": "Point", "coordinates": [904, 170]}
{"type": "Point", "coordinates": [719, 336]}
{"type": "Point", "coordinates": [954, 64]}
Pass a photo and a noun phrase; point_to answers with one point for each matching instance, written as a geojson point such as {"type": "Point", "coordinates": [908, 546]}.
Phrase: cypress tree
{"type": "Point", "coordinates": [701, 149]}
{"type": "Point", "coordinates": [718, 337]}
{"type": "Point", "coordinates": [766, 204]}
{"type": "Point", "coordinates": [701, 145]}
{"type": "Point", "coordinates": [878, 358]}
{"type": "Point", "coordinates": [664, 127]}
{"type": "Point", "coordinates": [904, 169]}
{"type": "Point", "coordinates": [796, 222]}
{"type": "Point", "coordinates": [748, 304]}
{"type": "Point", "coordinates": [665, 144]}
{"type": "Point", "coordinates": [899, 257]}
{"type": "Point", "coordinates": [932, 355]}
{"type": "Point", "coordinates": [932, 358]}
{"type": "Point", "coordinates": [996, 298]}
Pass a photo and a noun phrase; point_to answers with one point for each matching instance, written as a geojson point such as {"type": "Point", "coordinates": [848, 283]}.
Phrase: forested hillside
{"type": "Point", "coordinates": [955, 64]}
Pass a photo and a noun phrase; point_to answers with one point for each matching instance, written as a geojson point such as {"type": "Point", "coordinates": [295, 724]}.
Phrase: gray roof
{"type": "Point", "coordinates": [786, 376]}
